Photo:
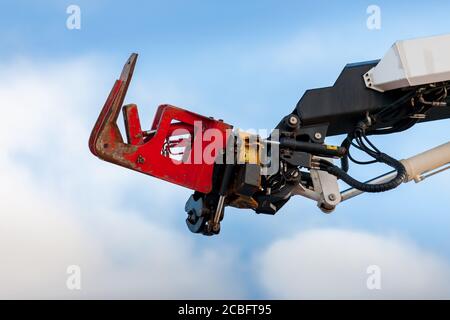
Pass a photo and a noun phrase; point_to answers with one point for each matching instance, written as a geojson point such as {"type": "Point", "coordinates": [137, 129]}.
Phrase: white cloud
{"type": "Point", "coordinates": [332, 264]}
{"type": "Point", "coordinates": [59, 205]}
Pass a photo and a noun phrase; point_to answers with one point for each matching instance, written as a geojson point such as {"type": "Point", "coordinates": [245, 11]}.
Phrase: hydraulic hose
{"type": "Point", "coordinates": [372, 188]}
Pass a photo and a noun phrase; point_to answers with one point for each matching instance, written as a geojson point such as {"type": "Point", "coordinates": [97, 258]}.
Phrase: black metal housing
{"type": "Point", "coordinates": [347, 101]}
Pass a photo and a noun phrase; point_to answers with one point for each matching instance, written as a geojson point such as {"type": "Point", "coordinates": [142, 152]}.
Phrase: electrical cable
{"type": "Point", "coordinates": [360, 137]}
{"type": "Point", "coordinates": [397, 119]}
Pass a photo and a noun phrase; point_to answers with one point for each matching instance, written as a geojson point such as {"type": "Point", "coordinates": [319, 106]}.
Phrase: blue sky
{"type": "Point", "coordinates": [247, 62]}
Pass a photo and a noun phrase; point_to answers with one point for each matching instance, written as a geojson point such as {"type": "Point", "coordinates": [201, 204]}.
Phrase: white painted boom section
{"type": "Point", "coordinates": [411, 63]}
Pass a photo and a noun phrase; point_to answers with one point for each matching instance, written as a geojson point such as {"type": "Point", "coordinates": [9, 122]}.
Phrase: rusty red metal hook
{"type": "Point", "coordinates": [144, 150]}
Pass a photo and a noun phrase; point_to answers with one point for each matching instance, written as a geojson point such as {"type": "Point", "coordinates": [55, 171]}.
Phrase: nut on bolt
{"type": "Point", "coordinates": [293, 120]}
{"type": "Point", "coordinates": [318, 135]}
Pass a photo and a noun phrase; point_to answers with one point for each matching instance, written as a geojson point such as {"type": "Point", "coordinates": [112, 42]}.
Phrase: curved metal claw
{"type": "Point", "coordinates": [150, 152]}
{"type": "Point", "coordinates": [105, 130]}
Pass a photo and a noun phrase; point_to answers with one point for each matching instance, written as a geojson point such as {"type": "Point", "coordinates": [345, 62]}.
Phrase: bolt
{"type": "Point", "coordinates": [293, 120]}
{"type": "Point", "coordinates": [318, 135]}
{"type": "Point", "coordinates": [332, 197]}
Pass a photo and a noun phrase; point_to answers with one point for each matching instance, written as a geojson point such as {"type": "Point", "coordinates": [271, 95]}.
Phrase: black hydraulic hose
{"type": "Point", "coordinates": [363, 128]}
{"type": "Point", "coordinates": [346, 145]}
{"type": "Point", "coordinates": [314, 148]}
{"type": "Point", "coordinates": [366, 187]}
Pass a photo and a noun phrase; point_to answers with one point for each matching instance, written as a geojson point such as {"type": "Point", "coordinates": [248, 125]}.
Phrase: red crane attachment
{"type": "Point", "coordinates": [173, 149]}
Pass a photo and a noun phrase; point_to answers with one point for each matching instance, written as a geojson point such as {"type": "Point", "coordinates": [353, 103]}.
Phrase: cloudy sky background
{"type": "Point", "coordinates": [247, 63]}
